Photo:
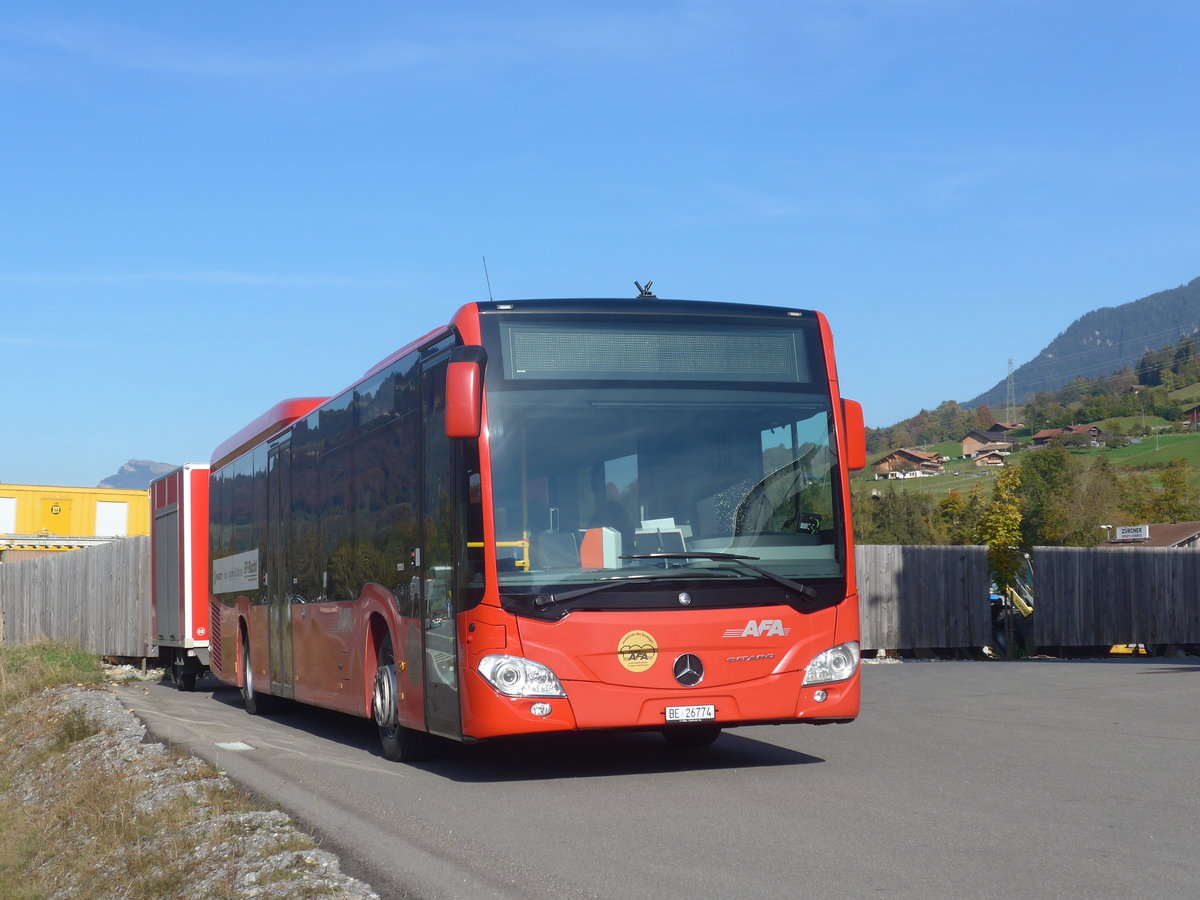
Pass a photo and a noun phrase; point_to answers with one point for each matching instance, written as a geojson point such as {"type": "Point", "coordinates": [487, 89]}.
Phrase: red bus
{"type": "Point", "coordinates": [552, 515]}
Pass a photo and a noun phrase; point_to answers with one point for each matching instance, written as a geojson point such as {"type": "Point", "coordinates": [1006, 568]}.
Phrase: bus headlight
{"type": "Point", "coordinates": [835, 664]}
{"type": "Point", "coordinates": [515, 676]}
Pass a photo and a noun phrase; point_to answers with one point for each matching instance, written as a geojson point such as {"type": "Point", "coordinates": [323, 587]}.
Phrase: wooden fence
{"type": "Point", "coordinates": [1130, 595]}
{"type": "Point", "coordinates": [99, 597]}
{"type": "Point", "coordinates": [918, 597]}
{"type": "Point", "coordinates": [912, 596]}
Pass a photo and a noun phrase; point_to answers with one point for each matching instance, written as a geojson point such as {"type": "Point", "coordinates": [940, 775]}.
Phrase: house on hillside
{"type": "Point", "coordinates": [981, 441]}
{"type": "Point", "coordinates": [905, 463]}
{"type": "Point", "coordinates": [1175, 534]}
{"type": "Point", "coordinates": [1045, 436]}
{"type": "Point", "coordinates": [1002, 428]}
{"type": "Point", "coordinates": [1192, 416]}
{"type": "Point", "coordinates": [1091, 432]}
{"type": "Point", "coordinates": [990, 458]}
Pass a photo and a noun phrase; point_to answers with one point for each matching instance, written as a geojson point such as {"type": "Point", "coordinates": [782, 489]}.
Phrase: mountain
{"type": "Point", "coordinates": [136, 475]}
{"type": "Point", "coordinates": [1104, 341]}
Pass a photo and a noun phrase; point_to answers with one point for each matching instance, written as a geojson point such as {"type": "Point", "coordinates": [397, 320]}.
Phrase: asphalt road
{"type": "Point", "coordinates": [960, 779]}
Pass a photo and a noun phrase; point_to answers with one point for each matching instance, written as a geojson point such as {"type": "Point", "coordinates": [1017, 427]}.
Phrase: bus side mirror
{"type": "Point", "coordinates": [856, 435]}
{"type": "Point", "coordinates": [464, 392]}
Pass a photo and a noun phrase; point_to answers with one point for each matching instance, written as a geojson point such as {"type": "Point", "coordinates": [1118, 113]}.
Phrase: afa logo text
{"type": "Point", "coordinates": [759, 628]}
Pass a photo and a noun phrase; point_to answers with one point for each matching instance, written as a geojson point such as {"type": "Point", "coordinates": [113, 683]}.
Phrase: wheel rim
{"type": "Point", "coordinates": [248, 675]}
{"type": "Point", "coordinates": [383, 703]}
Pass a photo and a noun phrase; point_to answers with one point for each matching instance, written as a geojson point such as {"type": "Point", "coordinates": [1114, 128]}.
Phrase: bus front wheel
{"type": "Point", "coordinates": [398, 743]}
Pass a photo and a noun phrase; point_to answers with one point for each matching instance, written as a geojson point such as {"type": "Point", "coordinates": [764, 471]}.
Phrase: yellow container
{"type": "Point", "coordinates": [46, 511]}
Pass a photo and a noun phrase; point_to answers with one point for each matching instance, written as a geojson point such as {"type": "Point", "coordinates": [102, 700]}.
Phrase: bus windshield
{"type": "Point", "coordinates": [596, 483]}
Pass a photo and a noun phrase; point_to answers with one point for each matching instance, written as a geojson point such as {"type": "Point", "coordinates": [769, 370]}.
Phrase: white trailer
{"type": "Point", "coordinates": [179, 557]}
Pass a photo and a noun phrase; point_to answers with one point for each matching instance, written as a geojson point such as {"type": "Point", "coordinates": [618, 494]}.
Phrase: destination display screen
{"type": "Point", "coordinates": [651, 351]}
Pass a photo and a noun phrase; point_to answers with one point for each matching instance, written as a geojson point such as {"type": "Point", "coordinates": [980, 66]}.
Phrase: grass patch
{"type": "Point", "coordinates": [1132, 424]}
{"type": "Point", "coordinates": [948, 449]}
{"type": "Point", "coordinates": [1150, 453]}
{"type": "Point", "coordinates": [27, 669]}
{"type": "Point", "coordinates": [1157, 451]}
{"type": "Point", "coordinates": [86, 813]}
{"type": "Point", "coordinates": [157, 826]}
{"type": "Point", "coordinates": [74, 726]}
{"type": "Point", "coordinates": [1186, 396]}
{"type": "Point", "coordinates": [18, 849]}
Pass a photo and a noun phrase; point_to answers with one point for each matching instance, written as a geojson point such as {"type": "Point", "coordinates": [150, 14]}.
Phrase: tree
{"type": "Point", "coordinates": [953, 512]}
{"type": "Point", "coordinates": [1177, 498]}
{"type": "Point", "coordinates": [1095, 502]}
{"type": "Point", "coordinates": [1136, 497]}
{"type": "Point", "coordinates": [1000, 527]}
{"type": "Point", "coordinates": [898, 517]}
{"type": "Point", "coordinates": [960, 515]}
{"type": "Point", "coordinates": [1095, 408]}
{"type": "Point", "coordinates": [1046, 486]}
{"type": "Point", "coordinates": [1046, 412]}
{"type": "Point", "coordinates": [902, 437]}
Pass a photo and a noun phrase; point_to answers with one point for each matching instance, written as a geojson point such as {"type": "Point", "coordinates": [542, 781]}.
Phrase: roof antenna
{"type": "Point", "coordinates": [644, 292]}
{"type": "Point", "coordinates": [488, 278]}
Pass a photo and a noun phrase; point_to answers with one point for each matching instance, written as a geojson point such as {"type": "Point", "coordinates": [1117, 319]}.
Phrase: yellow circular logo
{"type": "Point", "coordinates": [637, 651]}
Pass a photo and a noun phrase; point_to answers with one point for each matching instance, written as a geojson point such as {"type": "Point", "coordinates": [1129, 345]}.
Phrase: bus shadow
{"type": "Point", "coordinates": [540, 757]}
{"type": "Point", "coordinates": [601, 755]}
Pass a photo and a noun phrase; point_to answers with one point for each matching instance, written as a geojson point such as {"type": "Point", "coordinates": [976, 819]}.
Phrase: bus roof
{"type": "Point", "coordinates": [285, 412]}
{"type": "Point", "coordinates": [639, 306]}
{"type": "Point", "coordinates": [278, 417]}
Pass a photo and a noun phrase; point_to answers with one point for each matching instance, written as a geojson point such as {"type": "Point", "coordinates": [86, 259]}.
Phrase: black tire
{"type": "Point", "coordinates": [684, 736]}
{"type": "Point", "coordinates": [185, 681]}
{"type": "Point", "coordinates": [397, 743]}
{"type": "Point", "coordinates": [256, 704]}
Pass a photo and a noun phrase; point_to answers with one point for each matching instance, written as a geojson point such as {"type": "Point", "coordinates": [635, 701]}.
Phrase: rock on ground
{"type": "Point", "coordinates": [211, 835]}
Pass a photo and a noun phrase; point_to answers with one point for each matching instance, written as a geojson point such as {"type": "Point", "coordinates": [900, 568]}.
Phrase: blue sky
{"type": "Point", "coordinates": [208, 208]}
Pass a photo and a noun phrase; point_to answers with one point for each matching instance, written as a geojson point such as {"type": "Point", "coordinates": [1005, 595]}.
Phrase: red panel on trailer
{"type": "Point", "coordinates": [179, 557]}
{"type": "Point", "coordinates": [198, 538]}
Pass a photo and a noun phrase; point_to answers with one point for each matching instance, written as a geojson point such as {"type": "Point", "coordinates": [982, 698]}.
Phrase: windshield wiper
{"type": "Point", "coordinates": [542, 600]}
{"type": "Point", "coordinates": [802, 589]}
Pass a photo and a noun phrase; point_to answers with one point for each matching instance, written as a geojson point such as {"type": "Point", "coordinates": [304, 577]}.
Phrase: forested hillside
{"type": "Point", "coordinates": [1104, 341]}
{"type": "Point", "coordinates": [1067, 493]}
{"type": "Point", "coordinates": [1143, 390]}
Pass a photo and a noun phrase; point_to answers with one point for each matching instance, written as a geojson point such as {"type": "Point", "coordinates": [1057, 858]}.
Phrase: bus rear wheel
{"type": "Point", "coordinates": [256, 704]}
{"type": "Point", "coordinates": [397, 743]}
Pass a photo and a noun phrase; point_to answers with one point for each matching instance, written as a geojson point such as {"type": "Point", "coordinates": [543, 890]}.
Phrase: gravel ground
{"type": "Point", "coordinates": [244, 854]}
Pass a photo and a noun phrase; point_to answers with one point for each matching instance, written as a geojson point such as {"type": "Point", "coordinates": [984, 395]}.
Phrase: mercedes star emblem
{"type": "Point", "coordinates": [689, 670]}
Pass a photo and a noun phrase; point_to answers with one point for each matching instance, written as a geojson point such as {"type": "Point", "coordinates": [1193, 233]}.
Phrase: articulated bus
{"type": "Point", "coordinates": [552, 515]}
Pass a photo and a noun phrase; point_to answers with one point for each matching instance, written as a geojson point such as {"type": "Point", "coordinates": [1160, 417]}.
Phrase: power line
{"type": "Point", "coordinates": [1011, 398]}
{"type": "Point", "coordinates": [1179, 331]}
{"type": "Point", "coordinates": [1030, 368]}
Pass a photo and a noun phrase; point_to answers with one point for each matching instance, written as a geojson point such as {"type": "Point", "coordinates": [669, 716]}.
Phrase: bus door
{"type": "Point", "coordinates": [435, 556]}
{"type": "Point", "coordinates": [278, 568]}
